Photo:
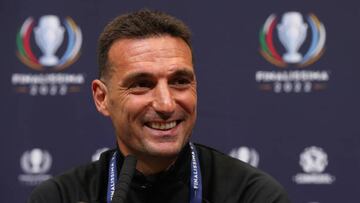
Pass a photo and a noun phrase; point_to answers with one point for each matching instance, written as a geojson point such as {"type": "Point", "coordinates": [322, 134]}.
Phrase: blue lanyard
{"type": "Point", "coordinates": [195, 178]}
{"type": "Point", "coordinates": [112, 178]}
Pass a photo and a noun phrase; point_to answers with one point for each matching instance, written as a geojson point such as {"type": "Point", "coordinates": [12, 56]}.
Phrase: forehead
{"type": "Point", "coordinates": [161, 52]}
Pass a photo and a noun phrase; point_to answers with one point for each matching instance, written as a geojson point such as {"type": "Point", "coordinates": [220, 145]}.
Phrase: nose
{"type": "Point", "coordinates": [163, 103]}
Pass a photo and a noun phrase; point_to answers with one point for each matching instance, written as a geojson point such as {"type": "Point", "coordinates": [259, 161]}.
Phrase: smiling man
{"type": "Point", "coordinates": [150, 97]}
{"type": "Point", "coordinates": [147, 86]}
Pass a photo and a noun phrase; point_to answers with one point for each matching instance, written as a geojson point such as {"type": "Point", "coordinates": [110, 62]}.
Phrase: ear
{"type": "Point", "coordinates": [100, 96]}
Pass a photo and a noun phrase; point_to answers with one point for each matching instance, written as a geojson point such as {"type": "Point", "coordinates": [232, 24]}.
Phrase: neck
{"type": "Point", "coordinates": [148, 164]}
{"type": "Point", "coordinates": [153, 165]}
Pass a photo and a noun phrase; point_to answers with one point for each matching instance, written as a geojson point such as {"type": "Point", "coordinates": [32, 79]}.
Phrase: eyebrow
{"type": "Point", "coordinates": [131, 77]}
{"type": "Point", "coordinates": [185, 72]}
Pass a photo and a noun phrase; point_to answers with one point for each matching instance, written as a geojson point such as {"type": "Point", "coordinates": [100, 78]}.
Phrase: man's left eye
{"type": "Point", "coordinates": [180, 82]}
{"type": "Point", "coordinates": [183, 81]}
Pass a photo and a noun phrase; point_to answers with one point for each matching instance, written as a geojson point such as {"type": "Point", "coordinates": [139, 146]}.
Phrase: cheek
{"type": "Point", "coordinates": [188, 101]}
{"type": "Point", "coordinates": [118, 106]}
{"type": "Point", "coordinates": [116, 102]}
{"type": "Point", "coordinates": [135, 105]}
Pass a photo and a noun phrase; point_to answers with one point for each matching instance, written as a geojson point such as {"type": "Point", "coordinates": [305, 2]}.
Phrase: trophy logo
{"type": "Point", "coordinates": [297, 41]}
{"type": "Point", "coordinates": [246, 154]}
{"type": "Point", "coordinates": [292, 32]}
{"type": "Point", "coordinates": [35, 164]}
{"type": "Point", "coordinates": [49, 35]}
{"type": "Point", "coordinates": [96, 155]}
{"type": "Point", "coordinates": [36, 161]}
{"type": "Point", "coordinates": [49, 45]}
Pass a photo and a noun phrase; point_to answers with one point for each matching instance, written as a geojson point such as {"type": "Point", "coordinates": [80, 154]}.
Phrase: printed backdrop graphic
{"type": "Point", "coordinates": [277, 84]}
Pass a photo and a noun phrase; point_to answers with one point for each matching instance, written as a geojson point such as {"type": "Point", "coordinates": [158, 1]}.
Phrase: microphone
{"type": "Point", "coordinates": [125, 177]}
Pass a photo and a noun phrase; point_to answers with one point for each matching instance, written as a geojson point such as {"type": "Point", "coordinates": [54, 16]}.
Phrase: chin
{"type": "Point", "coordinates": [165, 149]}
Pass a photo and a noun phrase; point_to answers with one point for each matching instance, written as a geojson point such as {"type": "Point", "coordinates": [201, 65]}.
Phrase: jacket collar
{"type": "Point", "coordinates": [179, 171]}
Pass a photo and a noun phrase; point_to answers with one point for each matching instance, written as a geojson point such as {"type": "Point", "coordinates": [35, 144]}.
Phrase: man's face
{"type": "Point", "coordinates": [151, 95]}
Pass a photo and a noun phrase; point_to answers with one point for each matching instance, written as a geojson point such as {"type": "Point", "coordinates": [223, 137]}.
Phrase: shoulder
{"type": "Point", "coordinates": [47, 191]}
{"type": "Point", "coordinates": [232, 180]}
{"type": "Point", "coordinates": [225, 165]}
{"type": "Point", "coordinates": [82, 183]}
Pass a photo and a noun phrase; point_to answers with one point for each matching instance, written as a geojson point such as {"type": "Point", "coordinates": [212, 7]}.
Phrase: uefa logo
{"type": "Point", "coordinates": [49, 36]}
{"type": "Point", "coordinates": [292, 31]}
{"type": "Point", "coordinates": [35, 163]}
{"type": "Point", "coordinates": [246, 154]}
{"type": "Point", "coordinates": [313, 161]}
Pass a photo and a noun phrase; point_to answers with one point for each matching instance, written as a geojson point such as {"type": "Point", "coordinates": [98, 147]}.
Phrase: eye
{"type": "Point", "coordinates": [183, 81]}
{"type": "Point", "coordinates": [180, 82]}
{"type": "Point", "coordinates": [140, 86]}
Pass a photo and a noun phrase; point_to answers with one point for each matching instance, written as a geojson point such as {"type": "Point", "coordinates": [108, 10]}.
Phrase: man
{"type": "Point", "coordinates": [147, 86]}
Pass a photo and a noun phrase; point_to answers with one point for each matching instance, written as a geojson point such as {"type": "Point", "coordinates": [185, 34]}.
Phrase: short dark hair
{"type": "Point", "coordinates": [138, 25]}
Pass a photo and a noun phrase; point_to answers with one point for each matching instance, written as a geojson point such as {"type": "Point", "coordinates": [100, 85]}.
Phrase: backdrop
{"type": "Point", "coordinates": [277, 82]}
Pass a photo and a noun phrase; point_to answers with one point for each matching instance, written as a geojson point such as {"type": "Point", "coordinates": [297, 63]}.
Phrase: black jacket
{"type": "Point", "coordinates": [224, 180]}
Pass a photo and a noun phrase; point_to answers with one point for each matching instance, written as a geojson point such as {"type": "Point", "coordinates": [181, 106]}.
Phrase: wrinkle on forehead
{"type": "Point", "coordinates": [148, 50]}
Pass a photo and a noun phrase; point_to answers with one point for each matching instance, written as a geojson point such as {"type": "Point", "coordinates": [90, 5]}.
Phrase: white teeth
{"type": "Point", "coordinates": [162, 126]}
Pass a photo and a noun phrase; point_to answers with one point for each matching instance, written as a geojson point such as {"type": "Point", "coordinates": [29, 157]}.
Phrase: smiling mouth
{"type": "Point", "coordinates": [162, 125]}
